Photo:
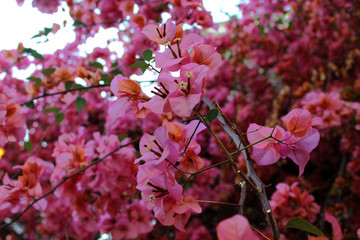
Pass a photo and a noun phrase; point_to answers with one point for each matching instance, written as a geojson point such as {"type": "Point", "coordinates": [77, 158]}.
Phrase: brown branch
{"type": "Point", "coordinates": [18, 215]}
{"type": "Point", "coordinates": [251, 174]}
{"type": "Point", "coordinates": [12, 64]}
{"type": "Point", "coordinates": [64, 92]}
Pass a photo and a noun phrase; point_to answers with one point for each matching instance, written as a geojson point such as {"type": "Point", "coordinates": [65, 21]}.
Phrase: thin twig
{"type": "Point", "coordinates": [64, 92]}
{"type": "Point", "coordinates": [251, 174]}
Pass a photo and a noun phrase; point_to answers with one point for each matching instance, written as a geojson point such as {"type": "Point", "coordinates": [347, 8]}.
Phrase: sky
{"type": "Point", "coordinates": [19, 24]}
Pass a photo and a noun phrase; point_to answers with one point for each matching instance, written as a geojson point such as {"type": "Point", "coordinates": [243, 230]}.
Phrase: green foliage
{"type": "Point", "coordinates": [30, 104]}
{"type": "Point", "coordinates": [141, 64]}
{"type": "Point", "coordinates": [59, 118]}
{"type": "Point", "coordinates": [28, 146]}
{"type": "Point", "coordinates": [212, 114]}
{"type": "Point", "coordinates": [96, 65]}
{"type": "Point", "coordinates": [34, 53]}
{"type": "Point", "coordinates": [36, 80]}
{"type": "Point", "coordinates": [68, 85]}
{"type": "Point", "coordinates": [121, 137]}
{"type": "Point", "coordinates": [304, 225]}
{"type": "Point", "coordinates": [80, 103]}
{"type": "Point", "coordinates": [79, 24]}
{"type": "Point", "coordinates": [48, 71]}
{"type": "Point", "coordinates": [147, 54]}
{"type": "Point", "coordinates": [52, 110]}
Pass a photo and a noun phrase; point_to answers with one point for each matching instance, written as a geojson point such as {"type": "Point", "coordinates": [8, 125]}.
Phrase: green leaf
{"type": "Point", "coordinates": [291, 25]}
{"type": "Point", "coordinates": [304, 225]}
{"type": "Point", "coordinates": [147, 54]}
{"type": "Point", "coordinates": [30, 104]}
{"type": "Point", "coordinates": [143, 65]}
{"type": "Point", "coordinates": [28, 146]}
{"type": "Point", "coordinates": [96, 65]}
{"type": "Point", "coordinates": [116, 72]}
{"type": "Point", "coordinates": [261, 30]}
{"type": "Point", "coordinates": [35, 36]}
{"type": "Point", "coordinates": [77, 86]}
{"type": "Point", "coordinates": [59, 117]}
{"type": "Point", "coordinates": [52, 110]}
{"type": "Point", "coordinates": [115, 64]}
{"type": "Point", "coordinates": [47, 31]}
{"type": "Point", "coordinates": [212, 114]}
{"type": "Point", "coordinates": [106, 78]}
{"type": "Point", "coordinates": [48, 71]}
{"type": "Point", "coordinates": [37, 55]}
{"type": "Point", "coordinates": [79, 24]}
{"type": "Point", "coordinates": [36, 80]}
{"type": "Point", "coordinates": [27, 50]}
{"type": "Point", "coordinates": [80, 104]}
{"type": "Point", "coordinates": [68, 85]}
{"type": "Point", "coordinates": [121, 137]}
{"type": "Point", "coordinates": [162, 6]}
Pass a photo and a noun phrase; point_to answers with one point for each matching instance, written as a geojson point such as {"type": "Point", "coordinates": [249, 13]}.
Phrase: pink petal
{"type": "Point", "coordinates": [235, 228]}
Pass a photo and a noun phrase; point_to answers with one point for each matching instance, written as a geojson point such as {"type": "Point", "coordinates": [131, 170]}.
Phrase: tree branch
{"type": "Point", "coordinates": [64, 92]}
{"type": "Point", "coordinates": [251, 174]}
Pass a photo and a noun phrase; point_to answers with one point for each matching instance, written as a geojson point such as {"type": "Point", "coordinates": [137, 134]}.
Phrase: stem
{"type": "Point", "coordinates": [227, 153]}
{"type": "Point", "coordinates": [192, 135]}
{"type": "Point", "coordinates": [64, 92]}
{"type": "Point", "coordinates": [251, 174]}
{"type": "Point", "coordinates": [215, 202]}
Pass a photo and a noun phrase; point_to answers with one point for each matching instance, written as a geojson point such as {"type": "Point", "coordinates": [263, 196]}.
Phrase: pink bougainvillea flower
{"type": "Point", "coordinates": [129, 95]}
{"type": "Point", "coordinates": [235, 228]}
{"type": "Point", "coordinates": [177, 54]}
{"type": "Point", "coordinates": [188, 90]}
{"type": "Point", "coordinates": [163, 34]}
{"type": "Point", "coordinates": [282, 144]}
{"type": "Point", "coordinates": [207, 55]}
{"type": "Point", "coordinates": [158, 147]}
{"type": "Point", "coordinates": [268, 151]}
{"type": "Point", "coordinates": [156, 184]}
{"type": "Point", "coordinates": [298, 148]}
{"type": "Point", "coordinates": [159, 103]}
{"type": "Point", "coordinates": [185, 204]}
{"type": "Point", "coordinates": [288, 202]}
{"type": "Point", "coordinates": [298, 121]}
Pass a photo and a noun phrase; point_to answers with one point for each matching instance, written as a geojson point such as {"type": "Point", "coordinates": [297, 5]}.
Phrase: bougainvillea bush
{"type": "Point", "coordinates": [247, 129]}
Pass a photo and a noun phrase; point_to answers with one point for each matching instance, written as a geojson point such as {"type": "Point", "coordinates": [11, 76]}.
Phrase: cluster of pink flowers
{"type": "Point", "coordinates": [12, 118]}
{"type": "Point", "coordinates": [161, 152]}
{"type": "Point", "coordinates": [296, 143]}
{"type": "Point", "coordinates": [179, 95]}
{"type": "Point", "coordinates": [291, 201]}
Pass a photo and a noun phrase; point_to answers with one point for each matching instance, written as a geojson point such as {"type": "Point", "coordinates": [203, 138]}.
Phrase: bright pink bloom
{"type": "Point", "coordinates": [129, 95]}
{"type": "Point", "coordinates": [163, 34]}
{"type": "Point", "coordinates": [172, 60]}
{"type": "Point", "coordinates": [235, 228]}
{"type": "Point", "coordinates": [206, 54]}
{"type": "Point", "coordinates": [298, 121]}
{"type": "Point", "coordinates": [290, 201]}
{"type": "Point", "coordinates": [298, 149]}
{"type": "Point", "coordinates": [270, 150]}
{"type": "Point", "coordinates": [158, 147]}
{"type": "Point", "coordinates": [188, 90]}
{"type": "Point", "coordinates": [296, 144]}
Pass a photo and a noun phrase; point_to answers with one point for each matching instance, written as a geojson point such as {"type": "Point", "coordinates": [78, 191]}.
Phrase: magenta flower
{"type": "Point", "coordinates": [235, 228]}
{"type": "Point", "coordinates": [163, 34]}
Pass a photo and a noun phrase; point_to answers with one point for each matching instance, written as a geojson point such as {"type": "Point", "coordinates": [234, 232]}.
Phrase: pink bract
{"type": "Point", "coordinates": [235, 228]}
